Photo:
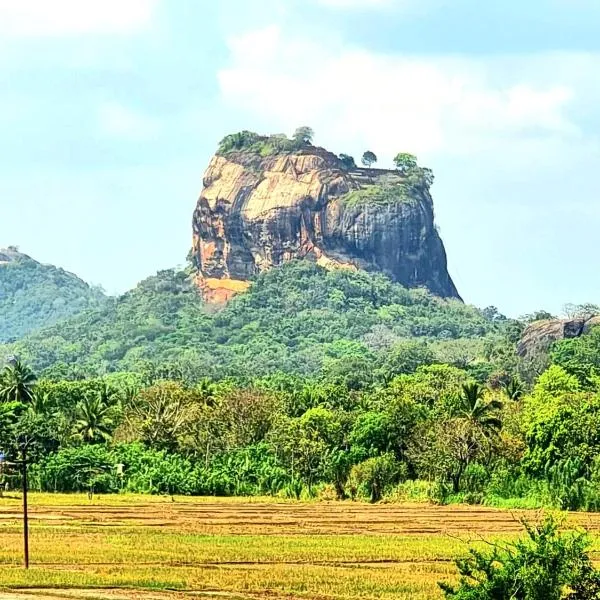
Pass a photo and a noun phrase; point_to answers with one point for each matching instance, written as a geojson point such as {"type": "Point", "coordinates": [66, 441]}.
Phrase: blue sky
{"type": "Point", "coordinates": [110, 111]}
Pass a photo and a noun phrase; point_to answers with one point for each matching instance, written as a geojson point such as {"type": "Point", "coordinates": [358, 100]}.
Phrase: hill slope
{"type": "Point", "coordinates": [33, 295]}
{"type": "Point", "coordinates": [297, 318]}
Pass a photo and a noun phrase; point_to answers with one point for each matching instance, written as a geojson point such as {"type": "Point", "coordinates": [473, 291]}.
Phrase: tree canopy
{"type": "Point", "coordinates": [369, 158]}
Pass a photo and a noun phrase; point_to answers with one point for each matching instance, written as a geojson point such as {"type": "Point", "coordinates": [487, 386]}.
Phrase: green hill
{"type": "Point", "coordinates": [33, 295]}
{"type": "Point", "coordinates": [298, 319]}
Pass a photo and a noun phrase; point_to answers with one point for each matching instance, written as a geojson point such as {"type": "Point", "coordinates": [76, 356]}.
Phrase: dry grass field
{"type": "Point", "coordinates": [149, 548]}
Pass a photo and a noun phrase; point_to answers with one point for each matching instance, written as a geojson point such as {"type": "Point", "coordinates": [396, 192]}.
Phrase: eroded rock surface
{"type": "Point", "coordinates": [257, 212]}
{"type": "Point", "coordinates": [540, 335]}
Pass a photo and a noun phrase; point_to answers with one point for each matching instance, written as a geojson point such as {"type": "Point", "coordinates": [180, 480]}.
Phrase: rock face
{"type": "Point", "coordinates": [540, 335]}
{"type": "Point", "coordinates": [257, 212]}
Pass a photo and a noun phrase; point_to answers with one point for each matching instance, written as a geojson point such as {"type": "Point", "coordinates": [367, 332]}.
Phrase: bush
{"type": "Point", "coordinates": [85, 468]}
{"type": "Point", "coordinates": [475, 479]}
{"type": "Point", "coordinates": [371, 477]}
{"type": "Point", "coordinates": [546, 565]}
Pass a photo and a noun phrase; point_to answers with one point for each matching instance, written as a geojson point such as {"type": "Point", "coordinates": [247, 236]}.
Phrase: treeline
{"type": "Point", "coordinates": [432, 431]}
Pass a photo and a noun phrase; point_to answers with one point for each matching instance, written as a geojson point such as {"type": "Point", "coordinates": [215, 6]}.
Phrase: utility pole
{"type": "Point", "coordinates": [25, 510]}
{"type": "Point", "coordinates": [23, 464]}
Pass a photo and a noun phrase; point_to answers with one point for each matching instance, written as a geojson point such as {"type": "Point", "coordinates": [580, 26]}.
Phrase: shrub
{"type": "Point", "coordinates": [87, 468]}
{"type": "Point", "coordinates": [547, 565]}
{"type": "Point", "coordinates": [371, 477]}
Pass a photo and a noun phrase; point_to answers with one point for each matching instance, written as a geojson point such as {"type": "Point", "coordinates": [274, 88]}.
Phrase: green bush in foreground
{"type": "Point", "coordinates": [547, 565]}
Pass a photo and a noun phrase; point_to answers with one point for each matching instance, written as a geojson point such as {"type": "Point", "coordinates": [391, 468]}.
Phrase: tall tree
{"type": "Point", "coordinates": [347, 162]}
{"type": "Point", "coordinates": [369, 158]}
{"type": "Point", "coordinates": [405, 162]}
{"type": "Point", "coordinates": [304, 135]}
{"type": "Point", "coordinates": [17, 383]}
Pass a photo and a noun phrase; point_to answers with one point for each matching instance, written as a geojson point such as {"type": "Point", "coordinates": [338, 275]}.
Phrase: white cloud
{"type": "Point", "coordinates": [512, 141]}
{"type": "Point", "coordinates": [356, 99]}
{"type": "Point", "coordinates": [119, 121]}
{"type": "Point", "coordinates": [32, 18]}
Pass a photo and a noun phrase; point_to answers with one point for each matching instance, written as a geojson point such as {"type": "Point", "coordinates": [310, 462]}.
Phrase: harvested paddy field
{"type": "Point", "coordinates": [148, 548]}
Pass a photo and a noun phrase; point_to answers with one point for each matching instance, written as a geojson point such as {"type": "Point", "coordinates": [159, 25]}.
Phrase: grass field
{"type": "Point", "coordinates": [151, 548]}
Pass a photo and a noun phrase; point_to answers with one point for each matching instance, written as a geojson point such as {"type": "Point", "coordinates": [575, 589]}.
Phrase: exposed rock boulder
{"type": "Point", "coordinates": [256, 212]}
{"type": "Point", "coordinates": [540, 335]}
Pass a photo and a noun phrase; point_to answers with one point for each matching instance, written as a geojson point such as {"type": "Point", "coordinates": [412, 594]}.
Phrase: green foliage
{"type": "Point", "coordinates": [474, 407]}
{"type": "Point", "coordinates": [374, 475]}
{"type": "Point", "coordinates": [385, 193]}
{"type": "Point", "coordinates": [313, 382]}
{"type": "Point", "coordinates": [347, 162]}
{"type": "Point", "coordinates": [546, 565]}
{"type": "Point", "coordinates": [94, 423]}
{"type": "Point", "coordinates": [289, 321]}
{"type": "Point", "coordinates": [404, 358]}
{"type": "Point", "coordinates": [86, 468]}
{"type": "Point", "coordinates": [303, 135]}
{"type": "Point", "coordinates": [579, 356]}
{"type": "Point", "coordinates": [253, 143]}
{"type": "Point", "coordinates": [369, 159]}
{"type": "Point", "coordinates": [417, 176]}
{"type": "Point", "coordinates": [17, 383]}
{"type": "Point", "coordinates": [405, 162]}
{"type": "Point", "coordinates": [33, 295]}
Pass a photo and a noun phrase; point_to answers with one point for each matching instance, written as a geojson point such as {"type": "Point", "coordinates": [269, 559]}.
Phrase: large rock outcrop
{"type": "Point", "coordinates": [257, 212]}
{"type": "Point", "coordinates": [539, 336]}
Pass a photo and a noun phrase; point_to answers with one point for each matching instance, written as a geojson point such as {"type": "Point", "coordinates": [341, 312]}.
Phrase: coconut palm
{"type": "Point", "coordinates": [474, 407]}
{"type": "Point", "coordinates": [93, 423]}
{"type": "Point", "coordinates": [17, 383]}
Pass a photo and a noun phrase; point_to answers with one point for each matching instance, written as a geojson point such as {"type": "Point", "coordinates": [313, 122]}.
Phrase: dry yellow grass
{"type": "Point", "coordinates": [241, 548]}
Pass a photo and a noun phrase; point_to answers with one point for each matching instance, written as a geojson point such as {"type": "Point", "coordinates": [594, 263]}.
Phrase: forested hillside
{"type": "Point", "coordinates": [33, 295]}
{"type": "Point", "coordinates": [298, 319]}
{"type": "Point", "coordinates": [322, 383]}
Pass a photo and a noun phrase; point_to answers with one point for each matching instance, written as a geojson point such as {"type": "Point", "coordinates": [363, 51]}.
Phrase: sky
{"type": "Point", "coordinates": [110, 112]}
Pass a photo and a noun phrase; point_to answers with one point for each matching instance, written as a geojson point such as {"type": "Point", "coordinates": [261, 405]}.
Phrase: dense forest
{"type": "Point", "coordinates": [333, 384]}
{"type": "Point", "coordinates": [298, 319]}
{"type": "Point", "coordinates": [33, 295]}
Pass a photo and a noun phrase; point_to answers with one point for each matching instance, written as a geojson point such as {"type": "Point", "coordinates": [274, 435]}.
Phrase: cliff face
{"type": "Point", "coordinates": [257, 212]}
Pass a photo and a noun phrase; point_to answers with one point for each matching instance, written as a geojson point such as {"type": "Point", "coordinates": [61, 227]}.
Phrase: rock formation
{"type": "Point", "coordinates": [540, 335]}
{"type": "Point", "coordinates": [256, 212]}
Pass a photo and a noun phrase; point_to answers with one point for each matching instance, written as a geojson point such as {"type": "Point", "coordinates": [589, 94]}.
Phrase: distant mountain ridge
{"type": "Point", "coordinates": [35, 295]}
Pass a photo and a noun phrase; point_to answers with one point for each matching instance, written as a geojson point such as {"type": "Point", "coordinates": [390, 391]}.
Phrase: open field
{"type": "Point", "coordinates": [113, 547]}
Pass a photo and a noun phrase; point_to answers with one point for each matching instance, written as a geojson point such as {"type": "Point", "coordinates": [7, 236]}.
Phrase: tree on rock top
{"type": "Point", "coordinates": [405, 162]}
{"type": "Point", "coordinates": [369, 158]}
{"type": "Point", "coordinates": [347, 162]}
{"type": "Point", "coordinates": [304, 135]}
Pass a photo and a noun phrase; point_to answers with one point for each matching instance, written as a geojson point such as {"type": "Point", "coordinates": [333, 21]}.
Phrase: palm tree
{"type": "Point", "coordinates": [93, 422]}
{"type": "Point", "coordinates": [476, 409]}
{"type": "Point", "coordinates": [514, 389]}
{"type": "Point", "coordinates": [17, 383]}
